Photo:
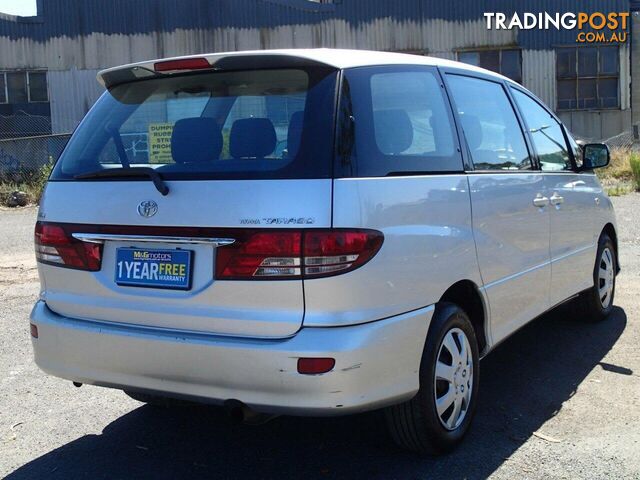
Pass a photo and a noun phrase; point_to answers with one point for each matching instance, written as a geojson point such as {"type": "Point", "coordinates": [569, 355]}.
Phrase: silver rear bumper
{"type": "Point", "coordinates": [377, 363]}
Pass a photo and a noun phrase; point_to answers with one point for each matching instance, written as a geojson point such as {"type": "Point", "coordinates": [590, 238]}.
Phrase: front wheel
{"type": "Point", "coordinates": [437, 418]}
{"type": "Point", "coordinates": [596, 303]}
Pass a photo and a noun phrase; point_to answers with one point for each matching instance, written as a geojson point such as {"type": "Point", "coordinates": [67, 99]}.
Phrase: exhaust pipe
{"type": "Point", "coordinates": [239, 413]}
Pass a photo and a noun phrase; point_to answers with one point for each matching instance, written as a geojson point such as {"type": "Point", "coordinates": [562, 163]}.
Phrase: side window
{"type": "Point", "coordinates": [490, 125]}
{"type": "Point", "coordinates": [395, 120]}
{"type": "Point", "coordinates": [546, 134]}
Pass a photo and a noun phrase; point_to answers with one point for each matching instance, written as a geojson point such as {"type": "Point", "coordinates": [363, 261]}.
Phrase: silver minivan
{"type": "Point", "coordinates": [314, 232]}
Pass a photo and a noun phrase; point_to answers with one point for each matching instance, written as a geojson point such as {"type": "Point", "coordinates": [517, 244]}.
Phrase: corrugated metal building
{"type": "Point", "coordinates": [71, 40]}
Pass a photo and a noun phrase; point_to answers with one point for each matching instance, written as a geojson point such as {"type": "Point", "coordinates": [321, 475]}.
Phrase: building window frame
{"type": "Point", "coordinates": [29, 73]}
{"type": "Point", "coordinates": [6, 89]}
{"type": "Point", "coordinates": [27, 79]}
{"type": "Point", "coordinates": [500, 51]}
{"type": "Point", "coordinates": [577, 77]}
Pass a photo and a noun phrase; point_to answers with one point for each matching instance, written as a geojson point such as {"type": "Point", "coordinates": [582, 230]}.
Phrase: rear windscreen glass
{"type": "Point", "coordinates": [226, 125]}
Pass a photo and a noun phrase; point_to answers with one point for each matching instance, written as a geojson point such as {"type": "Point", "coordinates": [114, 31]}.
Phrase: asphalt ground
{"type": "Point", "coordinates": [559, 399]}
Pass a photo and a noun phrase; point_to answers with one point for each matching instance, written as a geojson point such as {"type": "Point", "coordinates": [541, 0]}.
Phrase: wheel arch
{"type": "Point", "coordinates": [467, 295]}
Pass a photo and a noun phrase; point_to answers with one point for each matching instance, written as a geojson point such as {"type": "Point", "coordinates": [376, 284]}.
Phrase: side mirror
{"type": "Point", "coordinates": [595, 155]}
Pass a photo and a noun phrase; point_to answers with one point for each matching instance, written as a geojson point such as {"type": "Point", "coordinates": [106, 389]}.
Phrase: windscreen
{"type": "Point", "coordinates": [256, 124]}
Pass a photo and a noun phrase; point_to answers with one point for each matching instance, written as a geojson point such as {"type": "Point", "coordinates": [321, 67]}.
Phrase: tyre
{"type": "Point", "coordinates": [438, 417]}
{"type": "Point", "coordinates": [596, 303]}
{"type": "Point", "coordinates": [158, 401]}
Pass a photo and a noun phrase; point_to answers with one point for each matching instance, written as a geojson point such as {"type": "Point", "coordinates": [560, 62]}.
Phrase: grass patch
{"type": "Point", "coordinates": [618, 190]}
{"type": "Point", "coordinates": [634, 162]}
{"type": "Point", "coordinates": [622, 175]}
{"type": "Point", "coordinates": [33, 184]}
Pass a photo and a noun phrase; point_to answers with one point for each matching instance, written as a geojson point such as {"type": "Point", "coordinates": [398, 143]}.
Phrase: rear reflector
{"type": "Point", "coordinates": [183, 64]}
{"type": "Point", "coordinates": [55, 246]}
{"type": "Point", "coordinates": [294, 254]}
{"type": "Point", "coordinates": [314, 366]}
{"type": "Point", "coordinates": [34, 331]}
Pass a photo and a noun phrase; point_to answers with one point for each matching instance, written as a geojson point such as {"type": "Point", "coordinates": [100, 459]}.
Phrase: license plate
{"type": "Point", "coordinates": [139, 267]}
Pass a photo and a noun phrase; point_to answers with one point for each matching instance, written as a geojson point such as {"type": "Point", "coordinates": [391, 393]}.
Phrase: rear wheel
{"type": "Point", "coordinates": [437, 418]}
{"type": "Point", "coordinates": [596, 303]}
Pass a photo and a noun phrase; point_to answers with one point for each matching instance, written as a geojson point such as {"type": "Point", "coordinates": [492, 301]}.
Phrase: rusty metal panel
{"type": "Point", "coordinates": [88, 35]}
{"type": "Point", "coordinates": [80, 18]}
{"type": "Point", "coordinates": [72, 92]}
{"type": "Point", "coordinates": [539, 74]}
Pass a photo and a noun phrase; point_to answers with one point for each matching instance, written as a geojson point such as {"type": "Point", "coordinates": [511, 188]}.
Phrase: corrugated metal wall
{"type": "Point", "coordinates": [88, 35]}
{"type": "Point", "coordinates": [72, 93]}
{"type": "Point", "coordinates": [75, 18]}
{"type": "Point", "coordinates": [80, 33]}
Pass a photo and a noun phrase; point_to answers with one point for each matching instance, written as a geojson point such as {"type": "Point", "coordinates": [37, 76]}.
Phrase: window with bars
{"type": "Point", "coordinates": [37, 83]}
{"type": "Point", "coordinates": [588, 77]}
{"type": "Point", "coordinates": [3, 87]}
{"type": "Point", "coordinates": [507, 62]}
{"type": "Point", "coordinates": [23, 87]}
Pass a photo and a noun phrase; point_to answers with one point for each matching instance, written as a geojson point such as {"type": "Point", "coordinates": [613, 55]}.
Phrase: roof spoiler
{"type": "Point", "coordinates": [218, 62]}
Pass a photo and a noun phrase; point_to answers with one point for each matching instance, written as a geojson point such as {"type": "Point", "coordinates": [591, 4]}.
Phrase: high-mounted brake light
{"type": "Point", "coordinates": [183, 64]}
{"type": "Point", "coordinates": [295, 254]}
{"type": "Point", "coordinates": [55, 246]}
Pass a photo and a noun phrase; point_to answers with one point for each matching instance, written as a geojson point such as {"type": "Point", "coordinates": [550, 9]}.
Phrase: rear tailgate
{"type": "Point", "coordinates": [254, 308]}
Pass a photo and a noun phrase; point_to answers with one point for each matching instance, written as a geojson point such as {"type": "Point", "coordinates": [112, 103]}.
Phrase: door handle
{"type": "Point", "coordinates": [540, 201]}
{"type": "Point", "coordinates": [556, 199]}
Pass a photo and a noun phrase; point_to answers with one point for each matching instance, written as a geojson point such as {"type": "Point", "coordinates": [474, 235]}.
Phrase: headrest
{"type": "Point", "coordinates": [393, 130]}
{"type": "Point", "coordinates": [294, 137]}
{"type": "Point", "coordinates": [196, 140]}
{"type": "Point", "coordinates": [472, 130]}
{"type": "Point", "coordinates": [252, 138]}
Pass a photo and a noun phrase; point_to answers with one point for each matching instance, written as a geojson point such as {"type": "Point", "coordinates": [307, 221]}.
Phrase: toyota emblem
{"type": "Point", "coordinates": [148, 208]}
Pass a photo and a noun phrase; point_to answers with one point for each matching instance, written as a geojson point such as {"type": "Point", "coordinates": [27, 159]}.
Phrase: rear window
{"type": "Point", "coordinates": [226, 125]}
{"type": "Point", "coordinates": [395, 121]}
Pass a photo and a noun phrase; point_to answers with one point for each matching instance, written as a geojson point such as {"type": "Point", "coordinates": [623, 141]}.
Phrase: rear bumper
{"type": "Point", "coordinates": [377, 363]}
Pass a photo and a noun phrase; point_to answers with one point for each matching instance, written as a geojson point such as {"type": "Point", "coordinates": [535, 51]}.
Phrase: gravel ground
{"type": "Point", "coordinates": [560, 399]}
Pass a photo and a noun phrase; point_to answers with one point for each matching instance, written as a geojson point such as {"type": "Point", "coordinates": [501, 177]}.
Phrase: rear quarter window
{"type": "Point", "coordinates": [394, 120]}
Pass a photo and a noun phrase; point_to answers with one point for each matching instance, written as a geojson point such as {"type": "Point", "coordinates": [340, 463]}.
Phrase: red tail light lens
{"type": "Point", "coordinates": [183, 64]}
{"type": "Point", "coordinates": [55, 246]}
{"type": "Point", "coordinates": [327, 252]}
{"type": "Point", "coordinates": [296, 254]}
{"type": "Point", "coordinates": [261, 254]}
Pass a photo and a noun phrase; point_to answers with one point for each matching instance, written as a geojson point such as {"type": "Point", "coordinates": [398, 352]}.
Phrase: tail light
{"type": "Point", "coordinates": [55, 246]}
{"type": "Point", "coordinates": [255, 254]}
{"type": "Point", "coordinates": [295, 254]}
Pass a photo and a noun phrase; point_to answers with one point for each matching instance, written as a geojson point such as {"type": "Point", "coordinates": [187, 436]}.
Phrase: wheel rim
{"type": "Point", "coordinates": [606, 278]}
{"type": "Point", "coordinates": [453, 382]}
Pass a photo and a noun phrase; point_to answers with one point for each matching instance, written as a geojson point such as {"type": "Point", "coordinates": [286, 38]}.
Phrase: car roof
{"type": "Point", "coordinates": [336, 58]}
